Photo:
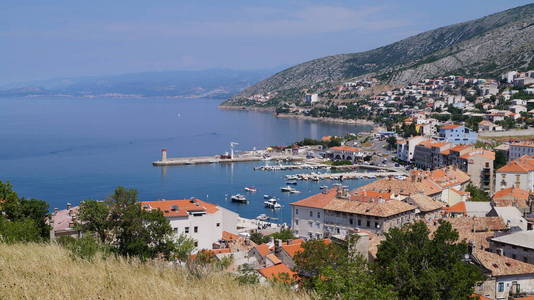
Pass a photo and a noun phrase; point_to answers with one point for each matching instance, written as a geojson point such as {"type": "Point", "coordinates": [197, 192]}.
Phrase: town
{"type": "Point", "coordinates": [459, 152]}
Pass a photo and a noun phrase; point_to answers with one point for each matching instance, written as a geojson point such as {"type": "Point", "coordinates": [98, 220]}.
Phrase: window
{"type": "Point", "coordinates": [296, 211]}
{"type": "Point", "coordinates": [218, 224]}
{"type": "Point", "coordinates": [318, 225]}
{"type": "Point", "coordinates": [368, 223]}
{"type": "Point", "coordinates": [514, 256]}
{"type": "Point", "coordinates": [187, 230]}
{"type": "Point", "coordinates": [296, 222]}
{"type": "Point", "coordinates": [195, 229]}
{"type": "Point", "coordinates": [175, 229]}
{"type": "Point", "coordinates": [350, 221]}
{"type": "Point", "coordinates": [525, 259]}
{"type": "Point", "coordinates": [318, 214]}
{"type": "Point", "coordinates": [377, 225]}
{"type": "Point", "coordinates": [311, 213]}
{"type": "Point", "coordinates": [337, 230]}
{"type": "Point", "coordinates": [501, 287]}
{"type": "Point", "coordinates": [196, 244]}
{"type": "Point", "coordinates": [359, 222]}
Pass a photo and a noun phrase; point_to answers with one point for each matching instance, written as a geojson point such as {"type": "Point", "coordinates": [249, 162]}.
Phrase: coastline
{"type": "Point", "coordinates": [299, 117]}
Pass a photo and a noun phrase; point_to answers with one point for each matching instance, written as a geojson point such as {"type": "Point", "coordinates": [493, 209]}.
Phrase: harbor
{"type": "Point", "coordinates": [344, 175]}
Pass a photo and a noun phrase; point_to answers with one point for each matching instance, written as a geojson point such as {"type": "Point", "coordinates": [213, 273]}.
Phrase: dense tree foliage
{"type": "Point", "coordinates": [421, 266]}
{"type": "Point", "coordinates": [477, 194]}
{"type": "Point", "coordinates": [22, 219]}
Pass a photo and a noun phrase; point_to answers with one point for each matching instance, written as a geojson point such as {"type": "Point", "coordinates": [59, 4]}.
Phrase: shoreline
{"type": "Point", "coordinates": [300, 117]}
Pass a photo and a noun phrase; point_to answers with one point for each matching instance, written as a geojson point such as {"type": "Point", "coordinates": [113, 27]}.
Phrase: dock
{"type": "Point", "coordinates": [346, 175]}
{"type": "Point", "coordinates": [249, 156]}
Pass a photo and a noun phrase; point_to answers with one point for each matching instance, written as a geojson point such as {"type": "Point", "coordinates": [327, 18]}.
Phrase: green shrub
{"type": "Point", "coordinates": [22, 230]}
{"type": "Point", "coordinates": [85, 247]}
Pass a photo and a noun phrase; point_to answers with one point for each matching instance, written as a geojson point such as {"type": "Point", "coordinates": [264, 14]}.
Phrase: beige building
{"type": "Point", "coordinates": [517, 173]}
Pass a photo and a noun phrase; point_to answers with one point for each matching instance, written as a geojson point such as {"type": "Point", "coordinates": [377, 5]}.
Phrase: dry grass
{"type": "Point", "coordinates": [36, 271]}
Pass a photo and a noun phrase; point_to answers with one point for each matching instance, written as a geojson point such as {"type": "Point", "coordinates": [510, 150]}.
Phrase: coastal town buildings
{"type": "Point", "coordinates": [457, 134]}
{"type": "Point", "coordinates": [517, 245]}
{"type": "Point", "coordinates": [347, 153]}
{"type": "Point", "coordinates": [62, 222]}
{"type": "Point", "coordinates": [519, 149]}
{"type": "Point", "coordinates": [204, 222]}
{"type": "Point", "coordinates": [516, 173]}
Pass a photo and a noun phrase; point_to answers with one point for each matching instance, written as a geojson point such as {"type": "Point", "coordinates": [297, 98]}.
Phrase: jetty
{"type": "Point", "coordinates": [318, 166]}
{"type": "Point", "coordinates": [346, 175]}
{"type": "Point", "coordinates": [248, 156]}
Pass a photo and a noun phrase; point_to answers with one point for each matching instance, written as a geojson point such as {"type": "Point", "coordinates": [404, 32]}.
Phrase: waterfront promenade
{"type": "Point", "coordinates": [242, 157]}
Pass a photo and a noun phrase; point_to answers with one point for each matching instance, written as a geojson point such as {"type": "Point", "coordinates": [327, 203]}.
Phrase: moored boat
{"type": "Point", "coordinates": [239, 198]}
{"type": "Point", "coordinates": [272, 203]}
{"type": "Point", "coordinates": [250, 189]}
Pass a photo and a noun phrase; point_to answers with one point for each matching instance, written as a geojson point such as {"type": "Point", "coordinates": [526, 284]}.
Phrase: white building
{"type": "Point", "coordinates": [517, 173]}
{"type": "Point", "coordinates": [311, 98]}
{"type": "Point", "coordinates": [406, 148]}
{"type": "Point", "coordinates": [202, 221]}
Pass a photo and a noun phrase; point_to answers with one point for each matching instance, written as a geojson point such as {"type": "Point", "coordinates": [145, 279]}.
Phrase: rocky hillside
{"type": "Point", "coordinates": [482, 47]}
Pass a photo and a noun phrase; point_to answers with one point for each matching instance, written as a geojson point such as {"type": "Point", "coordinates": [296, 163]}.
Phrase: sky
{"type": "Point", "coordinates": [44, 39]}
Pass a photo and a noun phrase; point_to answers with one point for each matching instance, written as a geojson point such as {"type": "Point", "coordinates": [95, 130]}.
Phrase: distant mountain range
{"type": "Point", "coordinates": [482, 47]}
{"type": "Point", "coordinates": [216, 83]}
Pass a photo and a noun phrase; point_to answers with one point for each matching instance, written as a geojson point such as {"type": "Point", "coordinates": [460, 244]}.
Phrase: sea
{"type": "Point", "coordinates": [66, 150]}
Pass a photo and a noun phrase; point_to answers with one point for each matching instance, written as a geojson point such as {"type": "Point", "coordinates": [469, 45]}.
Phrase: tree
{"type": "Point", "coordinates": [258, 238]}
{"type": "Point", "coordinates": [477, 194]}
{"type": "Point", "coordinates": [24, 230]}
{"type": "Point", "coordinates": [31, 214]}
{"type": "Point", "coordinates": [500, 160]}
{"type": "Point", "coordinates": [284, 235]}
{"type": "Point", "coordinates": [421, 267]}
{"type": "Point", "coordinates": [332, 273]}
{"type": "Point", "coordinates": [392, 141]}
{"type": "Point", "coordinates": [93, 217]}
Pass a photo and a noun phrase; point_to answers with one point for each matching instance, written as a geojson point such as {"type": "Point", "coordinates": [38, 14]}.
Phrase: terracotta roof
{"type": "Point", "coordinates": [345, 148]}
{"type": "Point", "coordinates": [274, 272]}
{"type": "Point", "coordinates": [472, 229]}
{"type": "Point", "coordinates": [524, 144]}
{"type": "Point", "coordinates": [479, 152]}
{"type": "Point", "coordinates": [425, 203]}
{"type": "Point", "coordinates": [263, 249]}
{"type": "Point", "coordinates": [479, 297]}
{"type": "Point", "coordinates": [293, 249]}
{"type": "Point", "coordinates": [402, 186]}
{"type": "Point", "coordinates": [512, 193]}
{"type": "Point", "coordinates": [63, 219]}
{"type": "Point", "coordinates": [318, 200]}
{"type": "Point", "coordinates": [457, 208]}
{"type": "Point", "coordinates": [369, 196]}
{"type": "Point", "coordinates": [227, 236]}
{"type": "Point", "coordinates": [501, 265]}
{"type": "Point", "coordinates": [275, 260]}
{"type": "Point", "coordinates": [522, 164]}
{"type": "Point", "coordinates": [377, 209]}
{"type": "Point", "coordinates": [180, 208]}
{"type": "Point", "coordinates": [450, 126]}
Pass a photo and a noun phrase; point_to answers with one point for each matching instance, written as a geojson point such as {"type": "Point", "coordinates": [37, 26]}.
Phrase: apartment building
{"type": "Point", "coordinates": [517, 150]}
{"type": "Point", "coordinates": [457, 134]}
{"type": "Point", "coordinates": [427, 155]}
{"type": "Point", "coordinates": [337, 211]}
{"type": "Point", "coordinates": [517, 245]}
{"type": "Point", "coordinates": [406, 148]}
{"type": "Point", "coordinates": [200, 220]}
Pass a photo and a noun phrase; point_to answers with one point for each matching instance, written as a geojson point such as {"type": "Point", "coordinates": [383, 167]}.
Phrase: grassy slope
{"type": "Point", "coordinates": [37, 271]}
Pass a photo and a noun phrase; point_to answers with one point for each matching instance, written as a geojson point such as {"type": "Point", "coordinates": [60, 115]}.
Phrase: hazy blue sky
{"type": "Point", "coordinates": [47, 39]}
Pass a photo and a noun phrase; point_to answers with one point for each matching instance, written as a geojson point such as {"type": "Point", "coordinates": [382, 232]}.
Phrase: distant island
{"type": "Point", "coordinates": [213, 83]}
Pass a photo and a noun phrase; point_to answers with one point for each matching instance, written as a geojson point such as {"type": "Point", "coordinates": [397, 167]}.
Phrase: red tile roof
{"type": "Point", "coordinates": [523, 164]}
{"type": "Point", "coordinates": [512, 196]}
{"type": "Point", "coordinates": [263, 249]}
{"type": "Point", "coordinates": [318, 200]}
{"type": "Point", "coordinates": [275, 272]}
{"type": "Point", "coordinates": [500, 265]}
{"type": "Point", "coordinates": [450, 126]}
{"type": "Point", "coordinates": [457, 208]}
{"type": "Point", "coordinates": [180, 208]}
{"type": "Point", "coordinates": [346, 149]}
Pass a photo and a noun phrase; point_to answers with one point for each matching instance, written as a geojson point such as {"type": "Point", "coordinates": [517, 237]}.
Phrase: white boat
{"type": "Point", "coordinates": [239, 198]}
{"type": "Point", "coordinates": [294, 191]}
{"type": "Point", "coordinates": [291, 177]}
{"type": "Point", "coordinates": [262, 217]}
{"type": "Point", "coordinates": [323, 187]}
{"type": "Point", "coordinates": [272, 203]}
{"type": "Point", "coordinates": [250, 189]}
{"type": "Point", "coordinates": [267, 196]}
{"type": "Point", "coordinates": [286, 189]}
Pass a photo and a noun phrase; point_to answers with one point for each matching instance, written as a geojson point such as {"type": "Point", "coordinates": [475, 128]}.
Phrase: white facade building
{"type": "Point", "coordinates": [519, 149]}
{"type": "Point", "coordinates": [406, 148]}
{"type": "Point", "coordinates": [202, 221]}
{"type": "Point", "coordinates": [517, 173]}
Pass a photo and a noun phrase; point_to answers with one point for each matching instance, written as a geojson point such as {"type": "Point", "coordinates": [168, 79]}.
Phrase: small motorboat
{"type": "Point", "coordinates": [323, 187]}
{"type": "Point", "coordinates": [250, 189]}
{"type": "Point", "coordinates": [239, 198]}
{"type": "Point", "coordinates": [262, 217]}
{"type": "Point", "coordinates": [286, 188]}
{"type": "Point", "coordinates": [292, 182]}
{"type": "Point", "coordinates": [267, 196]}
{"type": "Point", "coordinates": [291, 177]}
{"type": "Point", "coordinates": [272, 203]}
{"type": "Point", "coordinates": [294, 191]}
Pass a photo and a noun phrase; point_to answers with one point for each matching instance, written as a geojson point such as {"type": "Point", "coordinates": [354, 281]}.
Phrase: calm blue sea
{"type": "Point", "coordinates": [69, 149]}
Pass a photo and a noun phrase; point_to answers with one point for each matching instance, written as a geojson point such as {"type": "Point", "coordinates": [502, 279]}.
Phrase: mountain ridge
{"type": "Point", "coordinates": [463, 48]}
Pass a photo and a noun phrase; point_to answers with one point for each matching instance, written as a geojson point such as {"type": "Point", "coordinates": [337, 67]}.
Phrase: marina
{"type": "Point", "coordinates": [347, 176]}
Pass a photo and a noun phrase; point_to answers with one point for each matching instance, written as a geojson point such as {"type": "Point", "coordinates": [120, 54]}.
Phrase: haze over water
{"type": "Point", "coordinates": [69, 149]}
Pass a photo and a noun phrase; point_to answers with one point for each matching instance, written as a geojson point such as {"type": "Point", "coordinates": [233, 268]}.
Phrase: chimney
{"type": "Point", "coordinates": [163, 154]}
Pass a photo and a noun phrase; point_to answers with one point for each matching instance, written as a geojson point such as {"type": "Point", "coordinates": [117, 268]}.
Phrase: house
{"type": "Point", "coordinates": [512, 196]}
{"type": "Point", "coordinates": [260, 253]}
{"type": "Point", "coordinates": [427, 208]}
{"type": "Point", "coordinates": [477, 163]}
{"type": "Point", "coordinates": [487, 126]}
{"type": "Point", "coordinates": [278, 272]}
{"type": "Point", "coordinates": [477, 208]}
{"type": "Point", "coordinates": [351, 154]}
{"type": "Point", "coordinates": [517, 150]}
{"type": "Point", "coordinates": [517, 245]}
{"type": "Point", "coordinates": [505, 276]}
{"type": "Point", "coordinates": [202, 221]}
{"type": "Point", "coordinates": [62, 222]}
{"type": "Point", "coordinates": [517, 173]}
{"type": "Point", "coordinates": [427, 154]}
{"type": "Point", "coordinates": [336, 211]}
{"type": "Point", "coordinates": [311, 98]}
{"type": "Point", "coordinates": [457, 134]}
{"type": "Point", "coordinates": [511, 216]}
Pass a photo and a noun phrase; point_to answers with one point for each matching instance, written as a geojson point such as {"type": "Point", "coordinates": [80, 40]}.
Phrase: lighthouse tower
{"type": "Point", "coordinates": [163, 154]}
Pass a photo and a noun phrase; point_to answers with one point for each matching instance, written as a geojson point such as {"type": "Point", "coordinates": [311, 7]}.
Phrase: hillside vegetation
{"type": "Point", "coordinates": [48, 271]}
{"type": "Point", "coordinates": [482, 47]}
